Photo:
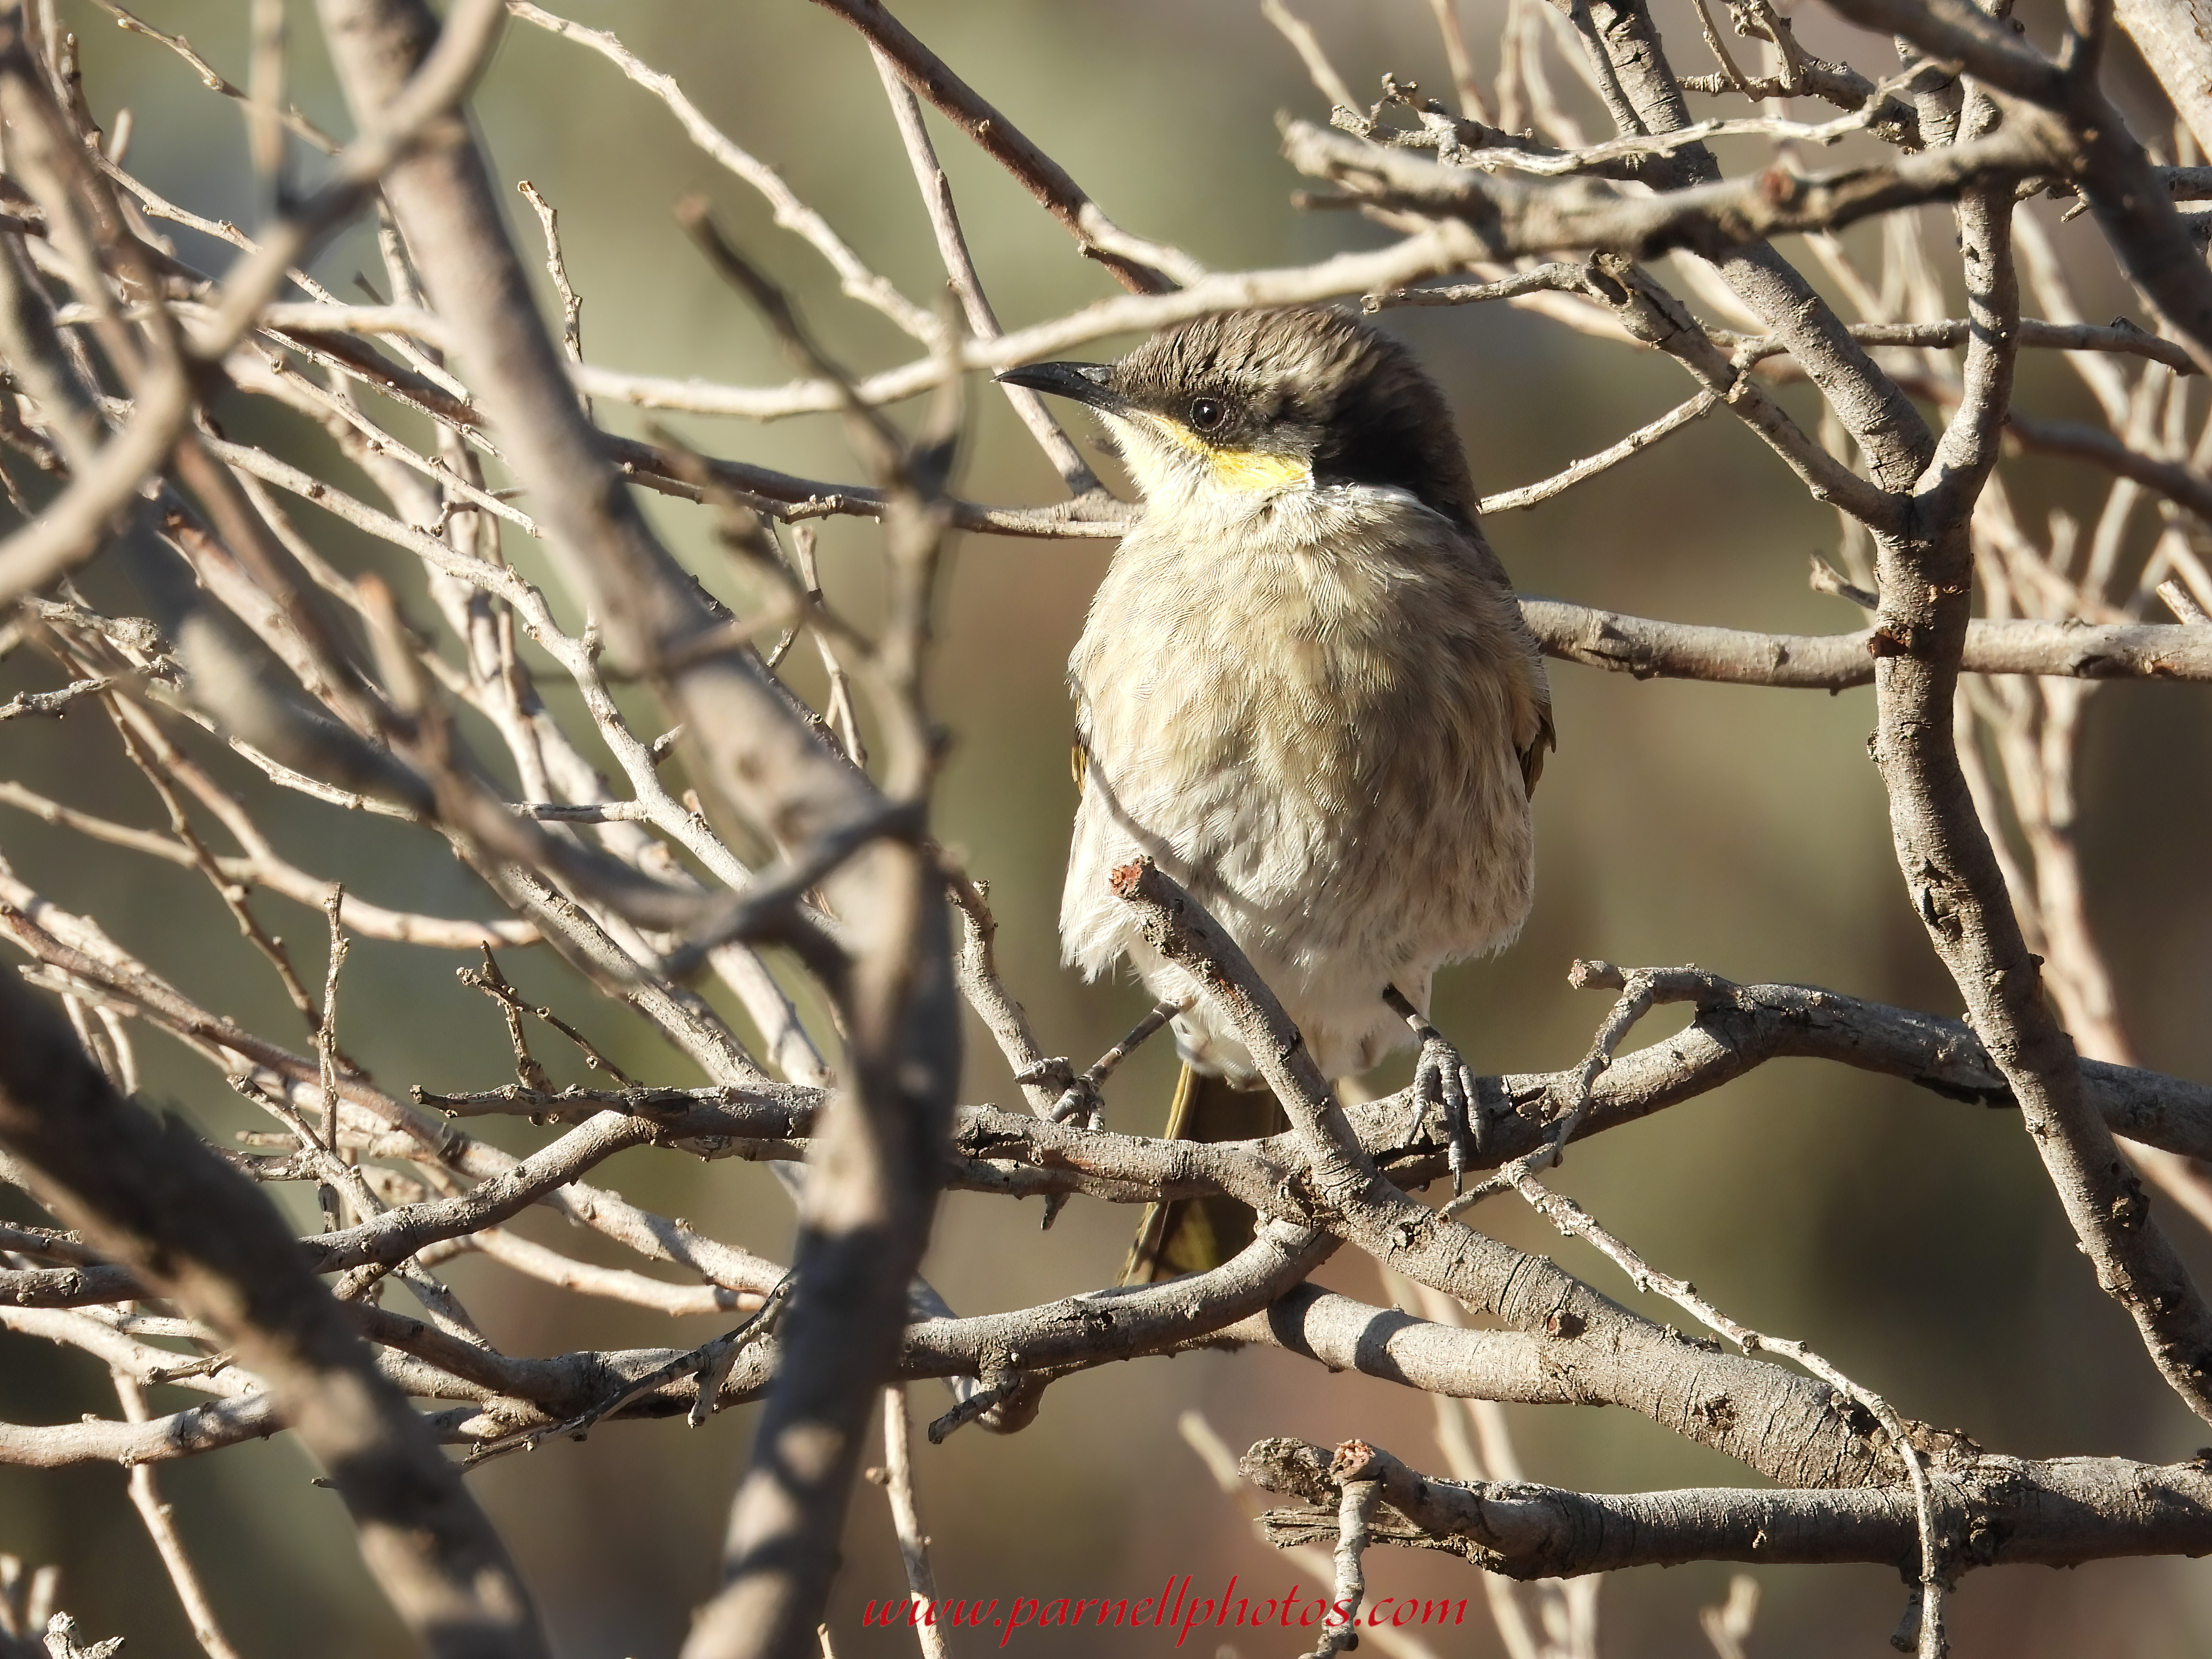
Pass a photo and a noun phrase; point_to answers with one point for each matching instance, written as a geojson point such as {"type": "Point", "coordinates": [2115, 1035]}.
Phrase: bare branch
{"type": "Point", "coordinates": [1429, 253]}
{"type": "Point", "coordinates": [2176, 481]}
{"type": "Point", "coordinates": [1605, 460]}
{"type": "Point", "coordinates": [1623, 46]}
{"type": "Point", "coordinates": [68, 530]}
{"type": "Point", "coordinates": [212, 78]}
{"type": "Point", "coordinates": [2058, 1513]}
{"type": "Point", "coordinates": [2086, 136]}
{"type": "Point", "coordinates": [146, 1498]}
{"type": "Point", "coordinates": [1319, 69]}
{"type": "Point", "coordinates": [1833, 662]}
{"type": "Point", "coordinates": [1139, 266]}
{"type": "Point", "coordinates": [1956, 886]}
{"type": "Point", "coordinates": [1359, 1492]}
{"type": "Point", "coordinates": [157, 1200]}
{"type": "Point", "coordinates": [856, 278]}
{"type": "Point", "coordinates": [1431, 1249]}
{"type": "Point", "coordinates": [897, 1474]}
{"type": "Point", "coordinates": [754, 817]}
{"type": "Point", "coordinates": [1712, 220]}
{"type": "Point", "coordinates": [960, 269]}
{"type": "Point", "coordinates": [864, 1228]}
{"type": "Point", "coordinates": [2176, 55]}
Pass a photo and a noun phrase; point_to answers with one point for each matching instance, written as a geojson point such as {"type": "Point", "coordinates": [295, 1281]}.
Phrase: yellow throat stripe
{"type": "Point", "coordinates": [1242, 468]}
{"type": "Point", "coordinates": [1254, 469]}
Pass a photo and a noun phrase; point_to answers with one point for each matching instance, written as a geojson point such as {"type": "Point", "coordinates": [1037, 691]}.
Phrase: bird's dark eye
{"type": "Point", "coordinates": [1207, 413]}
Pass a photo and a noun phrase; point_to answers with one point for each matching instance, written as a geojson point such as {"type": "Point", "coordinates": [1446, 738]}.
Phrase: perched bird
{"type": "Point", "coordinates": [1305, 689]}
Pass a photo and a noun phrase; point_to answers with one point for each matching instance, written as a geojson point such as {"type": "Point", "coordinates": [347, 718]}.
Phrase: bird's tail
{"type": "Point", "coordinates": [1190, 1234]}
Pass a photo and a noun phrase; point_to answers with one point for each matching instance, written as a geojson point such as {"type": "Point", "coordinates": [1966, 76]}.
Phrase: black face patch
{"type": "Point", "coordinates": [1316, 384]}
{"type": "Point", "coordinates": [1374, 440]}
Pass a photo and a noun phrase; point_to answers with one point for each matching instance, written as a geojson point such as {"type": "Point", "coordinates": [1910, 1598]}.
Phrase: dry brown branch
{"type": "Point", "coordinates": [1711, 220]}
{"type": "Point", "coordinates": [1303, 41]}
{"type": "Point", "coordinates": [212, 78]}
{"type": "Point", "coordinates": [897, 1474]}
{"type": "Point", "coordinates": [1380, 1218]}
{"type": "Point", "coordinates": [1832, 662]}
{"type": "Point", "coordinates": [758, 823]}
{"type": "Point", "coordinates": [1142, 267]}
{"type": "Point", "coordinates": [1429, 253]}
{"type": "Point", "coordinates": [1221, 1463]}
{"type": "Point", "coordinates": [865, 1227]}
{"type": "Point", "coordinates": [2041, 1511]}
{"type": "Point", "coordinates": [2180, 483]}
{"type": "Point", "coordinates": [1605, 460]}
{"type": "Point", "coordinates": [856, 278]}
{"type": "Point", "coordinates": [157, 1200]}
{"type": "Point", "coordinates": [2102, 158]}
{"type": "Point", "coordinates": [2119, 337]}
{"type": "Point", "coordinates": [1359, 1492]}
{"type": "Point", "coordinates": [68, 532]}
{"type": "Point", "coordinates": [2176, 52]}
{"type": "Point", "coordinates": [146, 1498]}
{"type": "Point", "coordinates": [960, 269]}
{"type": "Point", "coordinates": [1572, 1219]}
{"type": "Point", "coordinates": [1945, 854]}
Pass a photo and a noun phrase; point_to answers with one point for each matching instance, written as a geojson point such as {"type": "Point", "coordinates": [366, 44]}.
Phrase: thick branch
{"type": "Point", "coordinates": [2175, 40]}
{"type": "Point", "coordinates": [1804, 1436]}
{"type": "Point", "coordinates": [863, 1229]}
{"type": "Point", "coordinates": [155, 1199]}
{"type": "Point", "coordinates": [1832, 662]}
{"type": "Point", "coordinates": [1952, 872]}
{"type": "Point", "coordinates": [1622, 42]}
{"type": "Point", "coordinates": [2087, 139]}
{"type": "Point", "coordinates": [2059, 1513]}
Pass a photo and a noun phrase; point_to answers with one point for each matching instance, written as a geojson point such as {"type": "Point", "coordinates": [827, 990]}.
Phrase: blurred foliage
{"type": "Point", "coordinates": [1914, 1240]}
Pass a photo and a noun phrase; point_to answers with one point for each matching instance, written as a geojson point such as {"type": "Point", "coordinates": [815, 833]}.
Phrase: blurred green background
{"type": "Point", "coordinates": [1915, 1242]}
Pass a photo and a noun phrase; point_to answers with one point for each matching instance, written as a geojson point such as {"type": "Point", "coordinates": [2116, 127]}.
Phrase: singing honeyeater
{"type": "Point", "coordinates": [1306, 690]}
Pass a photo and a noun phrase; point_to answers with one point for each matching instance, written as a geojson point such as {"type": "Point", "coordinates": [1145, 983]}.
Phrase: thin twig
{"type": "Point", "coordinates": [1570, 1218]}
{"type": "Point", "coordinates": [791, 213]}
{"type": "Point", "coordinates": [294, 121]}
{"type": "Point", "coordinates": [906, 1519]}
{"type": "Point", "coordinates": [1605, 460]}
{"type": "Point", "coordinates": [168, 1544]}
{"type": "Point", "coordinates": [1358, 1496]}
{"type": "Point", "coordinates": [1082, 1098]}
{"type": "Point", "coordinates": [572, 306]}
{"type": "Point", "coordinates": [326, 1040]}
{"type": "Point", "coordinates": [960, 269]}
{"type": "Point", "coordinates": [1301, 37]}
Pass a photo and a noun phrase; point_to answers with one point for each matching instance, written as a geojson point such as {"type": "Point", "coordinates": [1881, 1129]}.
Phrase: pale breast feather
{"type": "Point", "coordinates": [1315, 706]}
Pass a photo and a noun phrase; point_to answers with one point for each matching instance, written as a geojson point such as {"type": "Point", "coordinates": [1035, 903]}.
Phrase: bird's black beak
{"type": "Point", "coordinates": [1086, 383]}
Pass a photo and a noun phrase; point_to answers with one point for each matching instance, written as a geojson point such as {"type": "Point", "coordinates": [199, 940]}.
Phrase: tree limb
{"type": "Point", "coordinates": [2059, 1513]}
{"type": "Point", "coordinates": [154, 1198]}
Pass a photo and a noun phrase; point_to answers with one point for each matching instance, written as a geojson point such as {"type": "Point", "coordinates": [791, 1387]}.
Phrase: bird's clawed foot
{"type": "Point", "coordinates": [1081, 1104]}
{"type": "Point", "coordinates": [1079, 1099]}
{"type": "Point", "coordinates": [1443, 1079]}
